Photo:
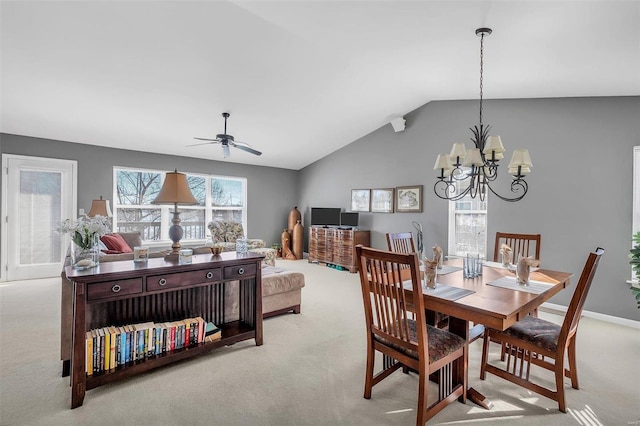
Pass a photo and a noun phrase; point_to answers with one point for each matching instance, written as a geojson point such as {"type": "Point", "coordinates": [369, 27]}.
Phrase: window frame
{"type": "Point", "coordinates": [453, 212]}
{"type": "Point", "coordinates": [166, 211]}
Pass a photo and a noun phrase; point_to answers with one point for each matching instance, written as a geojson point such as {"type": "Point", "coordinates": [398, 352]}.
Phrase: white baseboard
{"type": "Point", "coordinates": [595, 315]}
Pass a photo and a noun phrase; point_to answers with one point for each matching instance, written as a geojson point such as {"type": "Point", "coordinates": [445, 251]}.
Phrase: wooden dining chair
{"type": "Point", "coordinates": [536, 341]}
{"type": "Point", "coordinates": [386, 279]}
{"type": "Point", "coordinates": [401, 242]}
{"type": "Point", "coordinates": [521, 244]}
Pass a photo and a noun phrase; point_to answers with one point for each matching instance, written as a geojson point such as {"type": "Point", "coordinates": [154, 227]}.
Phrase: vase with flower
{"type": "Point", "coordinates": [85, 237]}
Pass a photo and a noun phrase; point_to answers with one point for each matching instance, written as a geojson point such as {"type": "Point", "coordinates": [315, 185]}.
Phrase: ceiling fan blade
{"type": "Point", "coordinates": [246, 148]}
{"type": "Point", "coordinates": [203, 143]}
{"type": "Point", "coordinates": [205, 139]}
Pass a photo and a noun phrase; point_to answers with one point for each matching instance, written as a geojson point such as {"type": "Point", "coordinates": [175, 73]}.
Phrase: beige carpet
{"type": "Point", "coordinates": [310, 371]}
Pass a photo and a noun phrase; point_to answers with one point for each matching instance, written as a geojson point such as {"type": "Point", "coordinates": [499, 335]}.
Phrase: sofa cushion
{"type": "Point", "coordinates": [115, 244]}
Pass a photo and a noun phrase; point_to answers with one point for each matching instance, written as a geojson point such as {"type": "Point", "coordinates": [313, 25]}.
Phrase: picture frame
{"type": "Point", "coordinates": [409, 199]}
{"type": "Point", "coordinates": [382, 200]}
{"type": "Point", "coordinates": [360, 200]}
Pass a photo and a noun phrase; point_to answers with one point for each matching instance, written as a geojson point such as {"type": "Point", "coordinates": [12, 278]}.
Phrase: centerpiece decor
{"type": "Point", "coordinates": [85, 238]}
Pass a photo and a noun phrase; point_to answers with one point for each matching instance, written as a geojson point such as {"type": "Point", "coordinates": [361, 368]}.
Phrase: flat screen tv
{"type": "Point", "coordinates": [349, 219]}
{"type": "Point", "coordinates": [325, 216]}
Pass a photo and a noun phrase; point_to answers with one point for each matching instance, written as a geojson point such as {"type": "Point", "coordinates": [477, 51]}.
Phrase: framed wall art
{"type": "Point", "coordinates": [382, 200]}
{"type": "Point", "coordinates": [409, 199]}
{"type": "Point", "coordinates": [360, 200]}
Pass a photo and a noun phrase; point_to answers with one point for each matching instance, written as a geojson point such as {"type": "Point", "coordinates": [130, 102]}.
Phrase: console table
{"type": "Point", "coordinates": [120, 293]}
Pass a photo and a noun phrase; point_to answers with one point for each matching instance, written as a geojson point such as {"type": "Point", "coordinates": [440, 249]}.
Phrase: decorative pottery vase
{"type": "Point", "coordinates": [298, 239]}
{"type": "Point", "coordinates": [294, 217]}
{"type": "Point", "coordinates": [286, 246]}
{"type": "Point", "coordinates": [85, 256]}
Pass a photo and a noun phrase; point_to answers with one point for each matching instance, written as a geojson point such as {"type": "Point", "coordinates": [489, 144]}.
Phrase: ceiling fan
{"type": "Point", "coordinates": [227, 140]}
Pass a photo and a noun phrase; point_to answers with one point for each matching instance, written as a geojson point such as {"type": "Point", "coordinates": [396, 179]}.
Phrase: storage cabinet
{"type": "Point", "coordinates": [336, 246]}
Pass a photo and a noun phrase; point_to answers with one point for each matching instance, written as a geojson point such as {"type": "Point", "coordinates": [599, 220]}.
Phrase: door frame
{"type": "Point", "coordinates": [72, 199]}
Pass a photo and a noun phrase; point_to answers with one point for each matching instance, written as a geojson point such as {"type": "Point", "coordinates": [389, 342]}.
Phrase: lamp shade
{"type": "Point", "coordinates": [175, 190]}
{"type": "Point", "coordinates": [443, 162]}
{"type": "Point", "coordinates": [473, 158]}
{"type": "Point", "coordinates": [100, 208]}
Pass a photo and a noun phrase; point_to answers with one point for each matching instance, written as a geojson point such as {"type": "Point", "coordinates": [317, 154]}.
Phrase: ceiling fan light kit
{"type": "Point", "coordinates": [227, 140]}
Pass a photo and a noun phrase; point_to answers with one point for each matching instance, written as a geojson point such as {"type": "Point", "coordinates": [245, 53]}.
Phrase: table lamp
{"type": "Point", "coordinates": [175, 190]}
{"type": "Point", "coordinates": [100, 208]}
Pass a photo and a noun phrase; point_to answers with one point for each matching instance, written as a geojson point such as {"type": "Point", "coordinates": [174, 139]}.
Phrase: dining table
{"type": "Point", "coordinates": [493, 299]}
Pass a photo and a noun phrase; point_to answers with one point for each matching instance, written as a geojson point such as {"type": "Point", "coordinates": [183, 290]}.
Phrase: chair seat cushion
{"type": "Point", "coordinates": [441, 343]}
{"type": "Point", "coordinates": [539, 332]}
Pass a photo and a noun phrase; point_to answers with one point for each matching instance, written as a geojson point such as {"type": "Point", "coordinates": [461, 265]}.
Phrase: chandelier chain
{"type": "Point", "coordinates": [481, 70]}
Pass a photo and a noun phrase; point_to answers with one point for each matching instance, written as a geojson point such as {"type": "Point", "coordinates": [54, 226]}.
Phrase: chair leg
{"type": "Point", "coordinates": [368, 380]}
{"type": "Point", "coordinates": [573, 368]}
{"type": "Point", "coordinates": [503, 351]}
{"type": "Point", "coordinates": [423, 383]}
{"type": "Point", "coordinates": [485, 353]}
{"type": "Point", "coordinates": [559, 372]}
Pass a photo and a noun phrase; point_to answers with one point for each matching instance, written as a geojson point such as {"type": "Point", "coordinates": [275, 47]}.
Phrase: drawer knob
{"type": "Point", "coordinates": [209, 275]}
{"type": "Point", "coordinates": [116, 288]}
{"type": "Point", "coordinates": [162, 281]}
{"type": "Point", "coordinates": [240, 271]}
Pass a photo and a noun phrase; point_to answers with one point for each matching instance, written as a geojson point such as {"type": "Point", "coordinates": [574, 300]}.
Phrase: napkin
{"type": "Point", "coordinates": [437, 255]}
{"type": "Point", "coordinates": [507, 254]}
{"type": "Point", "coordinates": [523, 269]}
{"type": "Point", "coordinates": [430, 272]}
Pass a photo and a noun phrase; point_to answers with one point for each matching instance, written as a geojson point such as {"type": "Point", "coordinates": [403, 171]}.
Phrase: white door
{"type": "Point", "coordinates": [37, 193]}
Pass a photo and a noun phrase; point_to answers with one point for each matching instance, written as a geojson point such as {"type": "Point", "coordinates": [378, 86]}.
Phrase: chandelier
{"type": "Point", "coordinates": [477, 167]}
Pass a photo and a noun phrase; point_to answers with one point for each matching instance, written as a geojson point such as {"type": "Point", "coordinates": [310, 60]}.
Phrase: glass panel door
{"type": "Point", "coordinates": [39, 195]}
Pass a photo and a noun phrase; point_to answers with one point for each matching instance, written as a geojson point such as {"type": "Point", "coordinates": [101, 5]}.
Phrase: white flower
{"type": "Point", "coordinates": [85, 229]}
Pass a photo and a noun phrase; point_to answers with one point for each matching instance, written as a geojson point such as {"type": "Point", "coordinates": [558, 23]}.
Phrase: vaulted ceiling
{"type": "Point", "coordinates": [301, 79]}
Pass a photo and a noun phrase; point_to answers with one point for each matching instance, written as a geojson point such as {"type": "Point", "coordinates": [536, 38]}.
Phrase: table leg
{"type": "Point", "coordinates": [461, 328]}
{"type": "Point", "coordinates": [78, 374]}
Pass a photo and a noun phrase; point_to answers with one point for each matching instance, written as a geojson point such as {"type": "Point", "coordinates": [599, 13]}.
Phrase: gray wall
{"type": "Point", "coordinates": [580, 192]}
{"type": "Point", "coordinates": [271, 191]}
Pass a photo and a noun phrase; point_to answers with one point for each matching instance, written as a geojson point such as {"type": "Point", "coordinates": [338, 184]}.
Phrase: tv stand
{"type": "Point", "coordinates": [336, 246]}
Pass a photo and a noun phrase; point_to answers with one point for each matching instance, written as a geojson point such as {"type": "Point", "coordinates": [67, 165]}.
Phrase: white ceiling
{"type": "Point", "coordinates": [301, 79]}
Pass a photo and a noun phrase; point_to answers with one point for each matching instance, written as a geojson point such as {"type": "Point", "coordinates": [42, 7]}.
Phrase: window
{"type": "Point", "coordinates": [219, 197]}
{"type": "Point", "coordinates": [467, 225]}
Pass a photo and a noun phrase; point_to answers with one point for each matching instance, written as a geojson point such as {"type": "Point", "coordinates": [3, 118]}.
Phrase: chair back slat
{"type": "Point", "coordinates": [521, 244]}
{"type": "Point", "coordinates": [574, 311]}
{"type": "Point", "coordinates": [382, 277]}
{"type": "Point", "coordinates": [401, 242]}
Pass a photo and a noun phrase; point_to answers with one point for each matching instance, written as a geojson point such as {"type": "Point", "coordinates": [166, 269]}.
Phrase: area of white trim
{"type": "Point", "coordinates": [595, 315]}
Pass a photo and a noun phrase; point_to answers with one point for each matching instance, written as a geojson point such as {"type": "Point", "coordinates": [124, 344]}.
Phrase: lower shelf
{"type": "Point", "coordinates": [231, 333]}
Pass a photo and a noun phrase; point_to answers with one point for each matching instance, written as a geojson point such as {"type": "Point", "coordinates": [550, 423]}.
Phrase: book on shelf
{"type": "Point", "coordinates": [89, 353]}
{"type": "Point", "coordinates": [110, 347]}
{"type": "Point", "coordinates": [212, 332]}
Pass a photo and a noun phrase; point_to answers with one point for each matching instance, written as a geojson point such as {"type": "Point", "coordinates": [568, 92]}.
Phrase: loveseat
{"type": "Point", "coordinates": [281, 293]}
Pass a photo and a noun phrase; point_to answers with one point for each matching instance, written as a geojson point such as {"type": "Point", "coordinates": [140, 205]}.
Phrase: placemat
{"type": "Point", "coordinates": [447, 269]}
{"type": "Point", "coordinates": [510, 268]}
{"type": "Point", "coordinates": [535, 287]}
{"type": "Point", "coordinates": [442, 291]}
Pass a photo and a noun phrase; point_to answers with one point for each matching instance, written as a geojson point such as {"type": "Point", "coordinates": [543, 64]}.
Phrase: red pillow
{"type": "Point", "coordinates": [115, 244]}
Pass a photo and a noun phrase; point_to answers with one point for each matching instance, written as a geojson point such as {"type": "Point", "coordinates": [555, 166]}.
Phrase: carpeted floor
{"type": "Point", "coordinates": [310, 371]}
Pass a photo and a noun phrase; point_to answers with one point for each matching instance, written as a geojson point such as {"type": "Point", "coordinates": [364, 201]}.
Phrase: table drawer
{"type": "Point", "coordinates": [96, 291]}
{"type": "Point", "coordinates": [182, 279]}
{"type": "Point", "coordinates": [240, 271]}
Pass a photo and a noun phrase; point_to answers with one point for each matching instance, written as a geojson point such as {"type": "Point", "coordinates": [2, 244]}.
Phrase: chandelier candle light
{"type": "Point", "coordinates": [480, 164]}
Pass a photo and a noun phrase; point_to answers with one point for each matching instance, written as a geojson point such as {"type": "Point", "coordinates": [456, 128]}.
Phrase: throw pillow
{"type": "Point", "coordinates": [115, 243]}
